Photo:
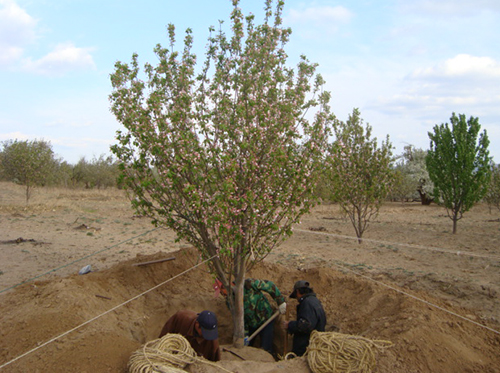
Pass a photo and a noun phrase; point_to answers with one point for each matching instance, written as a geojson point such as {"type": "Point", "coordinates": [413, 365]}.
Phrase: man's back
{"type": "Point", "coordinates": [183, 322]}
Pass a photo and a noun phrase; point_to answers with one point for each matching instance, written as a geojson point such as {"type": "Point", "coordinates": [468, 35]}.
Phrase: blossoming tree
{"type": "Point", "coordinates": [411, 166]}
{"type": "Point", "coordinates": [359, 171]}
{"type": "Point", "coordinates": [223, 153]}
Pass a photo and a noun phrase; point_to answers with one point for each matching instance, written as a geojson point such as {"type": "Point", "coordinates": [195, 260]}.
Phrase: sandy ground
{"type": "Point", "coordinates": [433, 294]}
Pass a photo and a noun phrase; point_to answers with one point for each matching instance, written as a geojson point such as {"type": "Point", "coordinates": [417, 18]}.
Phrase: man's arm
{"type": "Point", "coordinates": [270, 288]}
{"type": "Point", "coordinates": [305, 320]}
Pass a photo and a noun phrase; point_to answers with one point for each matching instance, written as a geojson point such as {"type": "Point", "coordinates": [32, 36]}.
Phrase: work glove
{"type": "Point", "coordinates": [282, 308]}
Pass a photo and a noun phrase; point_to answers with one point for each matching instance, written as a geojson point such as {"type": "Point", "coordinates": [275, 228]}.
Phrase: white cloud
{"type": "Point", "coordinates": [13, 136]}
{"type": "Point", "coordinates": [326, 18]}
{"type": "Point", "coordinates": [462, 8]}
{"type": "Point", "coordinates": [9, 54]}
{"type": "Point", "coordinates": [17, 29]}
{"type": "Point", "coordinates": [404, 101]}
{"type": "Point", "coordinates": [463, 84]}
{"type": "Point", "coordinates": [461, 66]}
{"type": "Point", "coordinates": [65, 57]}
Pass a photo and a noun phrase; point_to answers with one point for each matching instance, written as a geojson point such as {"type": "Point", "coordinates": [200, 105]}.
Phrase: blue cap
{"type": "Point", "coordinates": [208, 325]}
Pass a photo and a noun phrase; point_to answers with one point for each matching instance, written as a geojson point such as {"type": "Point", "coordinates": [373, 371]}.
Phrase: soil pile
{"type": "Point", "coordinates": [93, 322]}
{"type": "Point", "coordinates": [425, 339]}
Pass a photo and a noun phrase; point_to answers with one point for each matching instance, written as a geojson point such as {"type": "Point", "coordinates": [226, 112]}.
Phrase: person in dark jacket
{"type": "Point", "coordinates": [200, 329]}
{"type": "Point", "coordinates": [310, 316]}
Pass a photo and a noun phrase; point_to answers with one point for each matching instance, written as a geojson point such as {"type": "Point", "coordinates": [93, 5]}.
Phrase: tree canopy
{"type": "Point", "coordinates": [223, 153]}
{"type": "Point", "coordinates": [492, 196]}
{"type": "Point", "coordinates": [459, 164]}
{"type": "Point", "coordinates": [359, 171]}
{"type": "Point", "coordinates": [412, 176]}
{"type": "Point", "coordinates": [29, 163]}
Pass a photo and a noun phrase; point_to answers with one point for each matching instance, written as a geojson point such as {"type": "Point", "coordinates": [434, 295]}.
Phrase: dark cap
{"type": "Point", "coordinates": [208, 325]}
{"type": "Point", "coordinates": [298, 285]}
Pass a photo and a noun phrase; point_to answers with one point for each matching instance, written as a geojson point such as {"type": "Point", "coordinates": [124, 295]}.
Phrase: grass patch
{"type": "Point", "coordinates": [390, 247]}
{"type": "Point", "coordinates": [356, 266]}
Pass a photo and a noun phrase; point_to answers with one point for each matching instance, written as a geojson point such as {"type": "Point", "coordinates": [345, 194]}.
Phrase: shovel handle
{"type": "Point", "coordinates": [285, 342]}
{"type": "Point", "coordinates": [275, 315]}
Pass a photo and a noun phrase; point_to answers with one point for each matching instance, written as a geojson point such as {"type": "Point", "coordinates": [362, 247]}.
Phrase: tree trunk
{"type": "Point", "coordinates": [238, 316]}
{"type": "Point", "coordinates": [455, 219]}
{"type": "Point", "coordinates": [28, 192]}
{"type": "Point", "coordinates": [424, 199]}
{"type": "Point", "coordinates": [358, 227]}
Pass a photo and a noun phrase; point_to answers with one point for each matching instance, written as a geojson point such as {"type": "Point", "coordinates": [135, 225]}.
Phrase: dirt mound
{"type": "Point", "coordinates": [425, 338]}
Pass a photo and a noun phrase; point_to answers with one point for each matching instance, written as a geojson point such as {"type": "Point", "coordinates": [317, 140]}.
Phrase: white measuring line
{"type": "Point", "coordinates": [102, 314]}
{"type": "Point", "coordinates": [419, 299]}
{"type": "Point", "coordinates": [466, 253]}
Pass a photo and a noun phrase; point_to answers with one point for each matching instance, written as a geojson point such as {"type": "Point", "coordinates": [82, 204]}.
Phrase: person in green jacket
{"type": "Point", "coordinates": [258, 310]}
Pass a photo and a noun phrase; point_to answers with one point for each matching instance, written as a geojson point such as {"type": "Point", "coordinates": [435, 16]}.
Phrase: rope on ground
{"type": "Point", "coordinates": [171, 353]}
{"type": "Point", "coordinates": [336, 352]}
{"type": "Point", "coordinates": [104, 313]}
{"type": "Point", "coordinates": [168, 354]}
{"type": "Point", "coordinates": [76, 261]}
{"type": "Point", "coordinates": [418, 299]}
{"type": "Point", "coordinates": [404, 292]}
{"type": "Point", "coordinates": [464, 253]}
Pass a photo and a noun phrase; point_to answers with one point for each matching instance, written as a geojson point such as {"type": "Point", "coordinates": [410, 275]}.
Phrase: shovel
{"type": "Point", "coordinates": [285, 342]}
{"type": "Point", "coordinates": [247, 340]}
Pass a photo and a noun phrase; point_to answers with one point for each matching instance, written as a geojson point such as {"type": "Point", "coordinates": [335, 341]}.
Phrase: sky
{"type": "Point", "coordinates": [406, 65]}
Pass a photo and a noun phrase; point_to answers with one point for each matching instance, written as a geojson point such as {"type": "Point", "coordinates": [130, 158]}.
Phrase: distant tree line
{"type": "Point", "coordinates": [33, 163]}
{"type": "Point", "coordinates": [456, 172]}
{"type": "Point", "coordinates": [492, 196]}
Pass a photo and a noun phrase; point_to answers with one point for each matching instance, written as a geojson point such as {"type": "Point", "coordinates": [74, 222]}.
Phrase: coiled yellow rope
{"type": "Point", "coordinates": [335, 352]}
{"type": "Point", "coordinates": [169, 354]}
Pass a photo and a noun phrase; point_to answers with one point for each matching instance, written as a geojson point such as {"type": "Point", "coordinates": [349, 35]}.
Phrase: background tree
{"type": "Point", "coordinates": [403, 188]}
{"type": "Point", "coordinates": [62, 173]}
{"type": "Point", "coordinates": [412, 176]}
{"type": "Point", "coordinates": [103, 172]}
{"type": "Point", "coordinates": [226, 158]}
{"type": "Point", "coordinates": [492, 196]}
{"type": "Point", "coordinates": [459, 165]}
{"type": "Point", "coordinates": [29, 163]}
{"type": "Point", "coordinates": [99, 172]}
{"type": "Point", "coordinates": [359, 171]}
{"type": "Point", "coordinates": [79, 173]}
